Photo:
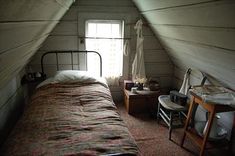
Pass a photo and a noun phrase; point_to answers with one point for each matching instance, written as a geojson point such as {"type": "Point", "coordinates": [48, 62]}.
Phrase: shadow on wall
{"type": "Point", "coordinates": [10, 112]}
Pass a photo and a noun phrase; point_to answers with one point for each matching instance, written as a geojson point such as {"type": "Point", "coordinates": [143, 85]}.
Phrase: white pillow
{"type": "Point", "coordinates": [73, 76]}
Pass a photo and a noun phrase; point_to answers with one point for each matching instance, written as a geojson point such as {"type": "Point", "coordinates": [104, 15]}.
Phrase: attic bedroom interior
{"type": "Point", "coordinates": [117, 77]}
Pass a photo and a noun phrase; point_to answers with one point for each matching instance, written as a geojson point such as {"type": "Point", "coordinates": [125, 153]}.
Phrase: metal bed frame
{"type": "Point", "coordinates": [71, 54]}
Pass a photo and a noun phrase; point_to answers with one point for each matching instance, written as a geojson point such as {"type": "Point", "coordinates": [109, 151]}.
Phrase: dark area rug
{"type": "Point", "coordinates": [152, 138]}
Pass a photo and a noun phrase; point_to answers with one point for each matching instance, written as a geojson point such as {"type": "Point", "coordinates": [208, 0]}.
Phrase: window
{"type": "Point", "coordinates": [104, 36]}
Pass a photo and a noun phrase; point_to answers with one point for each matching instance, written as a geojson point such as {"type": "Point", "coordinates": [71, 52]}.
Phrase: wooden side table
{"type": "Point", "coordinates": [212, 109]}
{"type": "Point", "coordinates": [140, 102]}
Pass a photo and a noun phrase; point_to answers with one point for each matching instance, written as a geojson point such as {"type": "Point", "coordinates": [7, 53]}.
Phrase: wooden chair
{"type": "Point", "coordinates": [169, 110]}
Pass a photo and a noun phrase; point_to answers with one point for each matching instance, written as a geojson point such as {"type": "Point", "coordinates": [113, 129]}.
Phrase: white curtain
{"type": "Point", "coordinates": [138, 68]}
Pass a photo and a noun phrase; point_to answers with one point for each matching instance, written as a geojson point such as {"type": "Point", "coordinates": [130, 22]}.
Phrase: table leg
{"type": "Point", "coordinates": [192, 104]}
{"type": "Point", "coordinates": [170, 125]}
{"type": "Point", "coordinates": [158, 111]}
{"type": "Point", "coordinates": [232, 136]}
{"type": "Point", "coordinates": [208, 128]}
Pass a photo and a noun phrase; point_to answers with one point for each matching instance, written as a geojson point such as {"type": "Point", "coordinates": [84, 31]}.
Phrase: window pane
{"type": "Point", "coordinates": [104, 30]}
{"type": "Point", "coordinates": [116, 30]}
{"type": "Point", "coordinates": [91, 30]}
{"type": "Point", "coordinates": [110, 49]}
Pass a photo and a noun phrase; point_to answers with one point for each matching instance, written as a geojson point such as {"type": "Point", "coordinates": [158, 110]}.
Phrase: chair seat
{"type": "Point", "coordinates": [165, 101]}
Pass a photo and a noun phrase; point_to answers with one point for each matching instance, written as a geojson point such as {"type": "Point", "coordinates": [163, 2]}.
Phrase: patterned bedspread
{"type": "Point", "coordinates": [70, 119]}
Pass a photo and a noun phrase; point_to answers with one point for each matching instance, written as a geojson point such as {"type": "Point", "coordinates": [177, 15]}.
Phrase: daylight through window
{"type": "Point", "coordinates": [104, 36]}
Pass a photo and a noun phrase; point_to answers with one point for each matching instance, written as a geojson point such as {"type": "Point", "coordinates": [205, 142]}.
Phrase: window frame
{"type": "Point", "coordinates": [121, 34]}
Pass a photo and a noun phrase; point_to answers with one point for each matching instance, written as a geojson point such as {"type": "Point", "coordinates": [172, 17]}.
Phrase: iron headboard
{"type": "Point", "coordinates": [71, 53]}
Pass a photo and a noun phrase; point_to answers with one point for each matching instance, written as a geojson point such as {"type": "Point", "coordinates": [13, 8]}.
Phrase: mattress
{"type": "Point", "coordinates": [75, 118]}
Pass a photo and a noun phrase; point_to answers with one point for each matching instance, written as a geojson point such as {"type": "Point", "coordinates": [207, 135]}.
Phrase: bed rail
{"type": "Point", "coordinates": [71, 53]}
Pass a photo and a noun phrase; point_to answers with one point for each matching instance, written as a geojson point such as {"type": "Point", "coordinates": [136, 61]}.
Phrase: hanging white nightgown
{"type": "Point", "coordinates": [138, 67]}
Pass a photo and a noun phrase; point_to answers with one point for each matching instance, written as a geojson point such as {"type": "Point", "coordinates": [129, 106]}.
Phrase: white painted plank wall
{"type": "Point", "coordinates": [24, 25]}
{"type": "Point", "coordinates": [11, 105]}
{"type": "Point", "coordinates": [67, 33]}
{"type": "Point", "coordinates": [197, 34]}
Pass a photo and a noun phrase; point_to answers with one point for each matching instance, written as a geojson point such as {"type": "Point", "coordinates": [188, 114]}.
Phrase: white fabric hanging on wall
{"type": "Point", "coordinates": [185, 85]}
{"type": "Point", "coordinates": [138, 67]}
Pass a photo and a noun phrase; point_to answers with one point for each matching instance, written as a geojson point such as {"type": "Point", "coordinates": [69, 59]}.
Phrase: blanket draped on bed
{"type": "Point", "coordinates": [70, 119]}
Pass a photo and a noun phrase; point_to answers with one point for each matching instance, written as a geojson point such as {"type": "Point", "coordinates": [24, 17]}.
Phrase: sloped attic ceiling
{"type": "Point", "coordinates": [196, 33]}
{"type": "Point", "coordinates": [24, 25]}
